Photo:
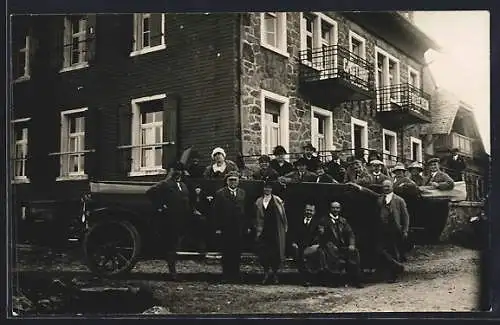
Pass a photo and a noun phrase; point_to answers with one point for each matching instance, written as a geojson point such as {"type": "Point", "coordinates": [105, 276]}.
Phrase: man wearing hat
{"type": "Point", "coordinates": [323, 177]}
{"type": "Point", "coordinates": [376, 174]}
{"type": "Point", "coordinates": [357, 174]}
{"type": "Point", "coordinates": [416, 170]}
{"type": "Point", "coordinates": [400, 178]}
{"type": "Point", "coordinates": [221, 166]}
{"type": "Point", "coordinates": [171, 199]}
{"type": "Point", "coordinates": [265, 172]}
{"type": "Point", "coordinates": [437, 178]}
{"type": "Point", "coordinates": [229, 209]}
{"type": "Point", "coordinates": [279, 163]}
{"type": "Point", "coordinates": [301, 174]}
{"type": "Point", "coordinates": [336, 168]}
{"type": "Point", "coordinates": [455, 164]}
{"type": "Point", "coordinates": [311, 161]}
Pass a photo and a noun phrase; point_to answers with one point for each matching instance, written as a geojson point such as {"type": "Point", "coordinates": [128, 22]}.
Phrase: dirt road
{"type": "Point", "coordinates": [442, 278]}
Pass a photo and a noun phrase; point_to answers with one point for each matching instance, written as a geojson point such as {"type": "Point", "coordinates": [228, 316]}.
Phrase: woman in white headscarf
{"type": "Point", "coordinates": [221, 166]}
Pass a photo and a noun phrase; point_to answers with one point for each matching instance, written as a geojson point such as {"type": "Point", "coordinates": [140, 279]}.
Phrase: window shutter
{"type": "Point", "coordinates": [91, 135]}
{"type": "Point", "coordinates": [170, 130]}
{"type": "Point", "coordinates": [156, 29]}
{"type": "Point", "coordinates": [57, 49]}
{"type": "Point", "coordinates": [124, 138]}
{"type": "Point", "coordinates": [91, 38]}
{"type": "Point", "coordinates": [125, 32]}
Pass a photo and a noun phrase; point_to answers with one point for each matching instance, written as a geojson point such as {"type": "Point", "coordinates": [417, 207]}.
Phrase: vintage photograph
{"type": "Point", "coordinates": [248, 163]}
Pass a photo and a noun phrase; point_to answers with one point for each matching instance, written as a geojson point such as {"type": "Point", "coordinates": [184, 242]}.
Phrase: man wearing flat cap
{"type": "Point", "coordinates": [301, 174]}
{"type": "Point", "coordinates": [311, 160]}
{"type": "Point", "coordinates": [437, 178]}
{"type": "Point", "coordinates": [171, 199]}
{"type": "Point", "coordinates": [265, 172]}
{"type": "Point", "coordinates": [229, 209]}
{"type": "Point", "coordinates": [221, 166]}
{"type": "Point", "coordinates": [376, 174]}
{"type": "Point", "coordinates": [416, 169]}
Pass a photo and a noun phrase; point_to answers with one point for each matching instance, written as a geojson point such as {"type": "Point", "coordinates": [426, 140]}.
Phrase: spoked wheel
{"type": "Point", "coordinates": [111, 247]}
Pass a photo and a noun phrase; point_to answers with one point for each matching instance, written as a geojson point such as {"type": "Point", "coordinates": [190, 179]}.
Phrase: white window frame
{"type": "Point", "coordinates": [362, 40]}
{"type": "Point", "coordinates": [143, 50]}
{"type": "Point", "coordinates": [390, 160]}
{"type": "Point", "coordinates": [317, 37]}
{"type": "Point", "coordinates": [20, 178]}
{"type": "Point", "coordinates": [364, 138]}
{"type": "Point", "coordinates": [26, 50]}
{"type": "Point", "coordinates": [417, 73]}
{"type": "Point", "coordinates": [136, 169]}
{"type": "Point", "coordinates": [82, 45]}
{"type": "Point", "coordinates": [64, 140]}
{"type": "Point", "coordinates": [284, 118]}
{"type": "Point", "coordinates": [281, 33]}
{"type": "Point", "coordinates": [419, 154]}
{"type": "Point", "coordinates": [385, 74]}
{"type": "Point", "coordinates": [328, 115]}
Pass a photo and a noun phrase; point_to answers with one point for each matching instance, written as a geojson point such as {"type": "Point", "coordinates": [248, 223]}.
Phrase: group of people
{"type": "Point", "coordinates": [324, 243]}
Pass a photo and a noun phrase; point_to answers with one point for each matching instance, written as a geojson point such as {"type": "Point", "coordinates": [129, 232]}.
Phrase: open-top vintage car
{"type": "Point", "coordinates": [121, 222]}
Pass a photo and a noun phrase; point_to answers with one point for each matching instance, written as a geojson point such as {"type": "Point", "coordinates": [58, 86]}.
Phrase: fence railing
{"type": "Point", "coordinates": [403, 97]}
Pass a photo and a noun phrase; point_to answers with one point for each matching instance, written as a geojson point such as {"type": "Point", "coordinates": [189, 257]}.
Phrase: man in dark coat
{"type": "Point", "coordinates": [279, 163]}
{"type": "Point", "coordinates": [336, 168]}
{"type": "Point", "coordinates": [393, 228]}
{"type": "Point", "coordinates": [265, 172]}
{"type": "Point", "coordinates": [229, 208]}
{"type": "Point", "coordinates": [338, 244]}
{"type": "Point", "coordinates": [171, 199]}
{"type": "Point", "coordinates": [323, 177]}
{"type": "Point", "coordinates": [301, 174]}
{"type": "Point", "coordinates": [456, 165]}
{"type": "Point", "coordinates": [437, 178]}
{"type": "Point", "coordinates": [312, 161]}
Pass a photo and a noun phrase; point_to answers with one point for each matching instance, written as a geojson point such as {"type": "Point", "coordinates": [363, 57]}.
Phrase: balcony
{"type": "Point", "coordinates": [332, 75]}
{"type": "Point", "coordinates": [403, 104]}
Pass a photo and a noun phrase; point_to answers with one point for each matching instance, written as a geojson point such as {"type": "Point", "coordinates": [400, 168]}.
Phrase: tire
{"type": "Point", "coordinates": [104, 238]}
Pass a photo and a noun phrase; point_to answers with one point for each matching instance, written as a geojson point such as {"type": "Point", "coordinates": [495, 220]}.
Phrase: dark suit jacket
{"type": "Point", "coordinates": [306, 177]}
{"type": "Point", "coordinates": [399, 211]}
{"type": "Point", "coordinates": [305, 236]}
{"type": "Point", "coordinates": [378, 180]}
{"type": "Point", "coordinates": [282, 170]}
{"type": "Point", "coordinates": [230, 211]}
{"type": "Point", "coordinates": [265, 175]}
{"type": "Point", "coordinates": [166, 192]}
{"type": "Point", "coordinates": [456, 167]}
{"type": "Point", "coordinates": [337, 171]}
{"type": "Point", "coordinates": [342, 236]}
{"type": "Point", "coordinates": [445, 182]}
{"type": "Point", "coordinates": [312, 163]}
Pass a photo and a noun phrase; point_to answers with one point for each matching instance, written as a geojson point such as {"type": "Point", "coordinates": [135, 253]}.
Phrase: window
{"type": "Point", "coordinates": [357, 45]}
{"type": "Point", "coordinates": [322, 130]}
{"type": "Point", "coordinates": [359, 136]}
{"type": "Point", "coordinates": [20, 149]}
{"type": "Point", "coordinates": [387, 75]}
{"type": "Point", "coordinates": [390, 148]}
{"type": "Point", "coordinates": [274, 121]}
{"type": "Point", "coordinates": [318, 35]}
{"type": "Point", "coordinates": [273, 32]}
{"type": "Point", "coordinates": [463, 143]}
{"type": "Point", "coordinates": [413, 77]}
{"type": "Point", "coordinates": [72, 155]}
{"type": "Point", "coordinates": [147, 135]}
{"type": "Point", "coordinates": [22, 59]}
{"type": "Point", "coordinates": [75, 42]}
{"type": "Point", "coordinates": [149, 33]}
{"type": "Point", "coordinates": [416, 149]}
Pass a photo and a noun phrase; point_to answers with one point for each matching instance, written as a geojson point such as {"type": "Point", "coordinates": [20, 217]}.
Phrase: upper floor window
{"type": "Point", "coordinates": [387, 73]}
{"type": "Point", "coordinates": [149, 33]}
{"type": "Point", "coordinates": [318, 35]}
{"type": "Point", "coordinates": [413, 77]}
{"type": "Point", "coordinates": [20, 149]}
{"type": "Point", "coordinates": [273, 31]}
{"type": "Point", "coordinates": [357, 45]}
{"type": "Point", "coordinates": [72, 155]}
{"type": "Point", "coordinates": [75, 42]}
{"type": "Point", "coordinates": [22, 59]}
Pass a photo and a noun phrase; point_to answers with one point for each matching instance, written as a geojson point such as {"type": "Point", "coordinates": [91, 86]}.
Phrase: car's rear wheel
{"type": "Point", "coordinates": [111, 247]}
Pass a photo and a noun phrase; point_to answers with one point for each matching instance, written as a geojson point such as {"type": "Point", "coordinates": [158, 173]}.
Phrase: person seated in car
{"type": "Point", "coordinates": [375, 155]}
{"type": "Point", "coordinates": [221, 166]}
{"type": "Point", "coordinates": [311, 160]}
{"type": "Point", "coordinates": [416, 170]}
{"type": "Point", "coordinates": [376, 174]}
{"type": "Point", "coordinates": [322, 177]}
{"type": "Point", "coordinates": [279, 163]}
{"type": "Point", "coordinates": [336, 168]}
{"type": "Point", "coordinates": [357, 174]}
{"type": "Point", "coordinates": [265, 172]}
{"type": "Point", "coordinates": [400, 178]}
{"type": "Point", "coordinates": [437, 178]}
{"type": "Point", "coordinates": [299, 175]}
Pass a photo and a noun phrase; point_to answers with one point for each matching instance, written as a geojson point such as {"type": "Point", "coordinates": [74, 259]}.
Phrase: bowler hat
{"type": "Point", "coordinates": [279, 150]}
{"type": "Point", "coordinates": [301, 162]}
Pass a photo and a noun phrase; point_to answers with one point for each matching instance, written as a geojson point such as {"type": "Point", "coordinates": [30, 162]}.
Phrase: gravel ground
{"type": "Point", "coordinates": [438, 278]}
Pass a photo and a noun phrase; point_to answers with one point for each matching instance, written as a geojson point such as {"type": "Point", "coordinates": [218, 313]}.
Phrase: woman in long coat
{"type": "Point", "coordinates": [271, 226]}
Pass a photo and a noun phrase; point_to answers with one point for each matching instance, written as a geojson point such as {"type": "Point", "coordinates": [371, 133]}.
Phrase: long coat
{"type": "Point", "coordinates": [445, 182]}
{"type": "Point", "coordinates": [282, 221]}
{"type": "Point", "coordinates": [399, 211]}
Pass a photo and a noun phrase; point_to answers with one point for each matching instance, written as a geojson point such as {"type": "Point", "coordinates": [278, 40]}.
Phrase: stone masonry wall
{"type": "Point", "coordinates": [271, 71]}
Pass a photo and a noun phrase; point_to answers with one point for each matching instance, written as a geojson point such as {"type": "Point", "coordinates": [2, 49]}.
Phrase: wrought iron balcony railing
{"type": "Point", "coordinates": [403, 97]}
{"type": "Point", "coordinates": [330, 62]}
